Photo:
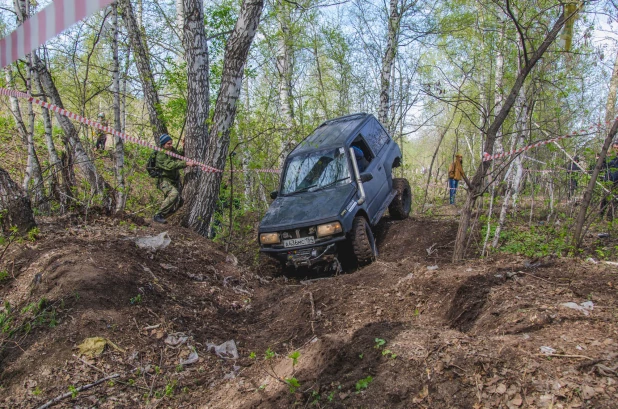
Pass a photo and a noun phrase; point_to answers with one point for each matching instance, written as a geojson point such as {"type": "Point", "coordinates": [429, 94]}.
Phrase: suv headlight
{"type": "Point", "coordinates": [269, 238]}
{"type": "Point", "coordinates": [329, 229]}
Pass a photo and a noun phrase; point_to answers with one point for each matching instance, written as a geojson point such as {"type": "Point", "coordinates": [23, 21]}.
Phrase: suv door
{"type": "Point", "coordinates": [377, 139]}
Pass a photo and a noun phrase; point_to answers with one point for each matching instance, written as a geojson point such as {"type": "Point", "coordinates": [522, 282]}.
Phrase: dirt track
{"type": "Point", "coordinates": [393, 334]}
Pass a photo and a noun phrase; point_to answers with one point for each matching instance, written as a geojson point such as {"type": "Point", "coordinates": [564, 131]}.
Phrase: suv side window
{"type": "Point", "coordinates": [376, 136]}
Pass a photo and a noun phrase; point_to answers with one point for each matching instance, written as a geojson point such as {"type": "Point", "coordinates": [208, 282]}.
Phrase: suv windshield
{"type": "Point", "coordinates": [315, 170]}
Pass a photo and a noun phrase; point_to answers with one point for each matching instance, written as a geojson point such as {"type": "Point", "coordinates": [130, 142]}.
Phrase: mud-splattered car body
{"type": "Point", "coordinates": [321, 193]}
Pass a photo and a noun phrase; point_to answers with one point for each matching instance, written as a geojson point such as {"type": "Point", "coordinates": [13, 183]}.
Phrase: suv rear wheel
{"type": "Point", "coordinates": [400, 206]}
{"type": "Point", "coordinates": [363, 243]}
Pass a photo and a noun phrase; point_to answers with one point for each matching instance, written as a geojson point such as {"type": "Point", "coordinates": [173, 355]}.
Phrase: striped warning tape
{"type": "Point", "coordinates": [44, 25]}
{"type": "Point", "coordinates": [94, 124]}
{"type": "Point", "coordinates": [488, 157]}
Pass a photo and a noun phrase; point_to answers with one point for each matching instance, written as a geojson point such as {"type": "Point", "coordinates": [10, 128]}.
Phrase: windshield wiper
{"type": "Point", "coordinates": [332, 183]}
{"type": "Point", "coordinates": [301, 190]}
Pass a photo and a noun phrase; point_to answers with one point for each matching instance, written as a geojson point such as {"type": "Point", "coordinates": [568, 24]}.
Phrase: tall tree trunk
{"type": "Point", "coordinates": [142, 60]}
{"type": "Point", "coordinates": [32, 174]}
{"type": "Point", "coordinates": [236, 52]}
{"type": "Point", "coordinates": [284, 69]}
{"type": "Point", "coordinates": [476, 187]}
{"type": "Point", "coordinates": [197, 138]}
{"type": "Point", "coordinates": [392, 44]}
{"type": "Point", "coordinates": [15, 209]}
{"type": "Point", "coordinates": [121, 194]}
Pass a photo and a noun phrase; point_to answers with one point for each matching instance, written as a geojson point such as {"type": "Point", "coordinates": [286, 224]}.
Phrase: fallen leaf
{"type": "Point", "coordinates": [501, 389]}
{"type": "Point", "coordinates": [517, 400]}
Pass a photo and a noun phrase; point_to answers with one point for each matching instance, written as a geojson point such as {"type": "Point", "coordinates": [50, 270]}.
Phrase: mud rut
{"type": "Point", "coordinates": [395, 333]}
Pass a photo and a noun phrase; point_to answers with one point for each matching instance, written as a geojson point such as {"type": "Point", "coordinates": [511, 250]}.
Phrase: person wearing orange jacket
{"type": "Point", "coordinates": [455, 174]}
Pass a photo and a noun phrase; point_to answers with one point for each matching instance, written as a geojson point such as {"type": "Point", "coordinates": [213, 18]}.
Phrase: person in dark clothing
{"type": "Point", "coordinates": [101, 134]}
{"type": "Point", "coordinates": [169, 181]}
{"type": "Point", "coordinates": [361, 161]}
{"type": "Point", "coordinates": [573, 170]}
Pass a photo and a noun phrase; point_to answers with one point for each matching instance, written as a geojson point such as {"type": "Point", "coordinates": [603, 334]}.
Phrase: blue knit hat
{"type": "Point", "coordinates": [164, 138]}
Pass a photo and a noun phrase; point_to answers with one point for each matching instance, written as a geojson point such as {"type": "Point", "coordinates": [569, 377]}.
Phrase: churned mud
{"type": "Point", "coordinates": [411, 330]}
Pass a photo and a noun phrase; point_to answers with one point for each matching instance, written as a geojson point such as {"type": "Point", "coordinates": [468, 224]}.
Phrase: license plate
{"type": "Point", "coordinates": [298, 242]}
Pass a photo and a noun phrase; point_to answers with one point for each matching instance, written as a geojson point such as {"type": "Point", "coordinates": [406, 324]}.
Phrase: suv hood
{"type": "Point", "coordinates": [305, 208]}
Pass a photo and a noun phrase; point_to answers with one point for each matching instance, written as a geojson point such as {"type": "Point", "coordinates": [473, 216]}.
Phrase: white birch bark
{"type": "Point", "coordinates": [121, 195]}
{"type": "Point", "coordinates": [392, 44]}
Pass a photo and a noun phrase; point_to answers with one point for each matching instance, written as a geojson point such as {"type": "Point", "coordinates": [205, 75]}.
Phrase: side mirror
{"type": "Point", "coordinates": [366, 177]}
{"type": "Point", "coordinates": [274, 194]}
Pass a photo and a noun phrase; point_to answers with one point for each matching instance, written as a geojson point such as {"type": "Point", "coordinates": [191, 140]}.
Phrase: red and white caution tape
{"type": "Point", "coordinates": [107, 129]}
{"type": "Point", "coordinates": [44, 25]}
{"type": "Point", "coordinates": [487, 156]}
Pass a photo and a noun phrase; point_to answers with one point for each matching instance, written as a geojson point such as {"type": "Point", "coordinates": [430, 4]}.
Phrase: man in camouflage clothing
{"type": "Point", "coordinates": [101, 134]}
{"type": "Point", "coordinates": [169, 181]}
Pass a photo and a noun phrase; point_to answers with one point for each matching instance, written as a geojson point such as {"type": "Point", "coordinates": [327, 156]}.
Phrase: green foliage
{"type": "Point", "coordinates": [252, 355]}
{"type": "Point", "coordinates": [294, 356]}
{"type": "Point", "coordinates": [74, 391]}
{"type": "Point", "coordinates": [535, 241]}
{"type": "Point", "coordinates": [292, 383]}
{"type": "Point", "coordinates": [269, 354]}
{"type": "Point", "coordinates": [136, 300]}
{"type": "Point", "coordinates": [363, 383]}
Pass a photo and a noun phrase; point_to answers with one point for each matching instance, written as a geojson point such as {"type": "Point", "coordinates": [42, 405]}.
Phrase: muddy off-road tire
{"type": "Point", "coordinates": [400, 206]}
{"type": "Point", "coordinates": [363, 243]}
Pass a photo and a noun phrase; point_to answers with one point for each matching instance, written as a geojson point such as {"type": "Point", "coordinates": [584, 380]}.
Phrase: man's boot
{"type": "Point", "coordinates": [159, 219]}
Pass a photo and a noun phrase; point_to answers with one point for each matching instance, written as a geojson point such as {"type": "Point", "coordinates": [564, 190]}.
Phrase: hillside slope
{"type": "Point", "coordinates": [395, 333]}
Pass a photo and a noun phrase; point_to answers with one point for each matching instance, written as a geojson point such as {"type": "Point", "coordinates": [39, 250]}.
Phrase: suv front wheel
{"type": "Point", "coordinates": [400, 206]}
{"type": "Point", "coordinates": [363, 243]}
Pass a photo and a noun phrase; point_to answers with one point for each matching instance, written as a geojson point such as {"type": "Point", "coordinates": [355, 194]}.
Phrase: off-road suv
{"type": "Point", "coordinates": [335, 186]}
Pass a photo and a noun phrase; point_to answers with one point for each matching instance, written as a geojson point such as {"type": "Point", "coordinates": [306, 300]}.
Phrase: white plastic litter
{"type": "Point", "coordinates": [548, 350]}
{"type": "Point", "coordinates": [227, 350]}
{"type": "Point", "coordinates": [584, 307]}
{"type": "Point", "coordinates": [432, 268]}
{"type": "Point", "coordinates": [191, 359]}
{"type": "Point", "coordinates": [176, 339]}
{"type": "Point", "coordinates": [154, 243]}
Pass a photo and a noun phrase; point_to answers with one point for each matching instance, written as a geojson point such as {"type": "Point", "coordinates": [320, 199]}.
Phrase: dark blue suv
{"type": "Point", "coordinates": [335, 186]}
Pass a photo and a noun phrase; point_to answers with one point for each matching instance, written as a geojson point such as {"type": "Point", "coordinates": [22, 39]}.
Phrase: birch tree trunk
{"type": "Point", "coordinates": [33, 167]}
{"type": "Point", "coordinates": [236, 52]}
{"type": "Point", "coordinates": [121, 195]}
{"type": "Point", "coordinates": [15, 209]}
{"type": "Point", "coordinates": [476, 187]}
{"type": "Point", "coordinates": [54, 160]}
{"type": "Point", "coordinates": [284, 69]}
{"type": "Point", "coordinates": [197, 138]}
{"type": "Point", "coordinates": [142, 60]}
{"type": "Point", "coordinates": [392, 43]}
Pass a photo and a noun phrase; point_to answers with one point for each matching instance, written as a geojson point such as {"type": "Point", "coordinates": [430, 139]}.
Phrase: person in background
{"type": "Point", "coordinates": [455, 174]}
{"type": "Point", "coordinates": [573, 170]}
{"type": "Point", "coordinates": [101, 134]}
{"type": "Point", "coordinates": [169, 181]}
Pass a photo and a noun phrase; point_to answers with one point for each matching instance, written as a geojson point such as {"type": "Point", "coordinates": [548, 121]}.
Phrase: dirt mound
{"type": "Point", "coordinates": [485, 333]}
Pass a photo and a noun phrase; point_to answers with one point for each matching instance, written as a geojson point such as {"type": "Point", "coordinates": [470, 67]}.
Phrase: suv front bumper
{"type": "Point", "coordinates": [305, 256]}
